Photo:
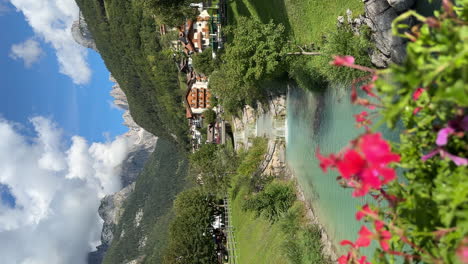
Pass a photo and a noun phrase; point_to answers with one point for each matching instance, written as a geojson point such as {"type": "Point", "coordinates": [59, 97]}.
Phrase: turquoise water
{"type": "Point", "coordinates": [325, 121]}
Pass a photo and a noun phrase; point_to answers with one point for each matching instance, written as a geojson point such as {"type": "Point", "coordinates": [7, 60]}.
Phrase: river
{"type": "Point", "coordinates": [323, 120]}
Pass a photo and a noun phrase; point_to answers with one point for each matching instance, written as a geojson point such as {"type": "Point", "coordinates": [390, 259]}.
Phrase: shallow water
{"type": "Point", "coordinates": [325, 121]}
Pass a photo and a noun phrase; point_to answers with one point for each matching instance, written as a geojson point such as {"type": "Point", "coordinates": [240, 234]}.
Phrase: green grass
{"type": "Point", "coordinates": [291, 239]}
{"type": "Point", "coordinates": [306, 20]}
{"type": "Point", "coordinates": [257, 240]}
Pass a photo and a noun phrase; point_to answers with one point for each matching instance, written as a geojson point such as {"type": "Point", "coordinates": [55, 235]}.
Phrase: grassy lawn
{"type": "Point", "coordinates": [257, 240]}
{"type": "Point", "coordinates": [291, 239]}
{"type": "Point", "coordinates": [306, 20]}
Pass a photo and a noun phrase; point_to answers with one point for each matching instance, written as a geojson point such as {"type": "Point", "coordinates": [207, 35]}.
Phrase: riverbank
{"type": "Point", "coordinates": [270, 223]}
{"type": "Point", "coordinates": [270, 122]}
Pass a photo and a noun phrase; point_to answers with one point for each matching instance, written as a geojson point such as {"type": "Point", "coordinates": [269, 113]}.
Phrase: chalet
{"type": "Point", "coordinates": [197, 98]}
{"type": "Point", "coordinates": [203, 32]}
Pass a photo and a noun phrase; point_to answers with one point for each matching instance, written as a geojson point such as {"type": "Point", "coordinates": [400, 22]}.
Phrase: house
{"type": "Point", "coordinates": [197, 98]}
{"type": "Point", "coordinates": [203, 32]}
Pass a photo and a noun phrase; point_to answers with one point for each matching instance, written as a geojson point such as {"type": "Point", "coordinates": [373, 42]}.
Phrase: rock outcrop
{"type": "Point", "coordinates": [144, 142]}
{"type": "Point", "coordinates": [401, 5]}
{"type": "Point", "coordinates": [81, 33]}
{"type": "Point", "coordinates": [379, 15]}
{"type": "Point", "coordinates": [111, 208]}
{"type": "Point", "coordinates": [110, 211]}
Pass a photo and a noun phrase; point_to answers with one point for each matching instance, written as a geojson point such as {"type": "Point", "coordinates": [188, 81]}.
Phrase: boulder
{"type": "Point", "coordinates": [401, 5]}
{"type": "Point", "coordinates": [380, 15]}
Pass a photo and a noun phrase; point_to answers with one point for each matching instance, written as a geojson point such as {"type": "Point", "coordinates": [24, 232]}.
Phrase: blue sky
{"type": "Point", "coordinates": [60, 136]}
{"type": "Point", "coordinates": [41, 90]}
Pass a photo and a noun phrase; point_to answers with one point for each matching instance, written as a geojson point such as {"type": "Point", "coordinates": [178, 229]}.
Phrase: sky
{"type": "Point", "coordinates": [61, 140]}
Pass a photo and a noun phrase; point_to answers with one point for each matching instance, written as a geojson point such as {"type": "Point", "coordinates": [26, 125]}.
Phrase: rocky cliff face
{"type": "Point", "coordinates": [82, 35]}
{"type": "Point", "coordinates": [144, 142]}
{"type": "Point", "coordinates": [111, 208]}
{"type": "Point", "coordinates": [379, 15]}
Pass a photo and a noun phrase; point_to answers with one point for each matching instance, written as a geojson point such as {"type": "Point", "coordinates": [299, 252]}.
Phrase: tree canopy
{"type": "Point", "coordinates": [256, 53]}
{"type": "Point", "coordinates": [210, 116]}
{"type": "Point", "coordinates": [190, 237]}
{"type": "Point", "coordinates": [213, 165]}
{"type": "Point", "coordinates": [204, 62]}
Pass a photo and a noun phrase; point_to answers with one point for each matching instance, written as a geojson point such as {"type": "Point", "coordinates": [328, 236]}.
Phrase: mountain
{"type": "Point", "coordinates": [136, 219]}
{"type": "Point", "coordinates": [81, 33]}
{"type": "Point", "coordinates": [112, 206]}
{"type": "Point", "coordinates": [128, 40]}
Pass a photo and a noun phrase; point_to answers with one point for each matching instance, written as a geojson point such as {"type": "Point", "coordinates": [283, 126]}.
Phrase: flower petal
{"type": "Point", "coordinates": [430, 154]}
{"type": "Point", "coordinates": [351, 164]}
{"type": "Point", "coordinates": [459, 161]}
{"type": "Point", "coordinates": [442, 136]}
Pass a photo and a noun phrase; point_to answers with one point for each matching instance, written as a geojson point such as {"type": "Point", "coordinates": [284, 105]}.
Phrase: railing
{"type": "Point", "coordinates": [231, 240]}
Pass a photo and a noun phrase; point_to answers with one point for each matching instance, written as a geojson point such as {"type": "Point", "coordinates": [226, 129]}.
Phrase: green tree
{"type": "Point", "coordinates": [213, 165]}
{"type": "Point", "coordinates": [190, 234]}
{"type": "Point", "coordinates": [171, 12]}
{"type": "Point", "coordinates": [204, 62]}
{"type": "Point", "coordinates": [209, 116]}
{"type": "Point", "coordinates": [255, 53]}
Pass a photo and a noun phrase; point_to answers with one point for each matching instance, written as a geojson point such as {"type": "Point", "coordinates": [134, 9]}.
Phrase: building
{"type": "Point", "coordinates": [197, 98]}
{"type": "Point", "coordinates": [203, 32]}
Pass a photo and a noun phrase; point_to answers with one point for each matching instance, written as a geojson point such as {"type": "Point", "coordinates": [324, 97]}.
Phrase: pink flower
{"type": "Point", "coordinates": [416, 110]}
{"type": "Point", "coordinates": [364, 167]}
{"type": "Point", "coordinates": [361, 189]}
{"type": "Point", "coordinates": [367, 88]}
{"type": "Point", "coordinates": [347, 243]}
{"type": "Point", "coordinates": [342, 60]}
{"type": "Point", "coordinates": [462, 251]}
{"type": "Point", "coordinates": [459, 161]}
{"type": "Point", "coordinates": [365, 211]}
{"type": "Point", "coordinates": [383, 235]}
{"type": "Point", "coordinates": [326, 162]}
{"type": "Point", "coordinates": [443, 134]}
{"type": "Point", "coordinates": [344, 259]}
{"type": "Point", "coordinates": [362, 117]}
{"type": "Point", "coordinates": [365, 236]}
{"type": "Point", "coordinates": [362, 260]}
{"type": "Point", "coordinates": [418, 93]}
{"type": "Point", "coordinates": [377, 150]}
{"type": "Point", "coordinates": [351, 164]}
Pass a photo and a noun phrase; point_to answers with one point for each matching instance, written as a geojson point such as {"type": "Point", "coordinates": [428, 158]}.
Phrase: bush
{"type": "Point", "coordinates": [343, 41]}
{"type": "Point", "coordinates": [314, 72]}
{"type": "Point", "coordinates": [204, 62]}
{"type": "Point", "coordinates": [209, 116]}
{"type": "Point", "coordinates": [272, 202]}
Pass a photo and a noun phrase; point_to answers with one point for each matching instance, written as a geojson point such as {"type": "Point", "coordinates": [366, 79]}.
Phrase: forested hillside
{"type": "Point", "coordinates": [142, 231]}
{"type": "Point", "coordinates": [127, 37]}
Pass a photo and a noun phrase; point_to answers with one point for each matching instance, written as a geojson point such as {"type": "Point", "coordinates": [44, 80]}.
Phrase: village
{"type": "Point", "coordinates": [204, 115]}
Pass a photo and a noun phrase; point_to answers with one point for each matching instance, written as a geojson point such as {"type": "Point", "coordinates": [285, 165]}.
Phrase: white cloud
{"type": "Point", "coordinates": [29, 51]}
{"type": "Point", "coordinates": [57, 190]}
{"type": "Point", "coordinates": [51, 20]}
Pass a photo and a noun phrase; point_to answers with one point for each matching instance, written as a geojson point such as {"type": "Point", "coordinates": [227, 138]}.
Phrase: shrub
{"type": "Point", "coordinates": [272, 202]}
{"type": "Point", "coordinates": [315, 72]}
{"type": "Point", "coordinates": [209, 116]}
{"type": "Point", "coordinates": [204, 62]}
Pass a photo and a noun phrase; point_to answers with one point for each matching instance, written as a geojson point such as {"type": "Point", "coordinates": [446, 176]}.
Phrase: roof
{"type": "Point", "coordinates": [188, 110]}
